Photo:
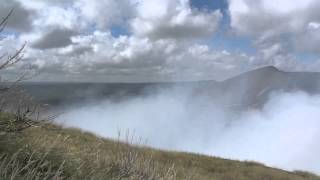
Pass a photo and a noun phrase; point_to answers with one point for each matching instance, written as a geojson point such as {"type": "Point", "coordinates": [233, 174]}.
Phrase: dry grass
{"type": "Point", "coordinates": [72, 154]}
{"type": "Point", "coordinates": [54, 156]}
{"type": "Point", "coordinates": [28, 167]}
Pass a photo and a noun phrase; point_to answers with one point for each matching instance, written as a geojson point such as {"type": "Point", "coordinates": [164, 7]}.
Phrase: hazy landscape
{"type": "Point", "coordinates": [254, 116]}
{"type": "Point", "coordinates": [159, 90]}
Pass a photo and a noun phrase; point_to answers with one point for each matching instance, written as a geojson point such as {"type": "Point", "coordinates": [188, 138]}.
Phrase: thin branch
{"type": "Point", "coordinates": [15, 58]}
{"type": "Point", "coordinates": [4, 21]}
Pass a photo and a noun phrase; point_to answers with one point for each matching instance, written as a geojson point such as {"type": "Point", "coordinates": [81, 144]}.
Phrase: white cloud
{"type": "Point", "coordinates": [102, 57]}
{"type": "Point", "coordinates": [173, 19]}
{"type": "Point", "coordinates": [165, 39]}
{"type": "Point", "coordinates": [73, 39]}
{"type": "Point", "coordinates": [106, 13]}
{"type": "Point", "coordinates": [282, 21]}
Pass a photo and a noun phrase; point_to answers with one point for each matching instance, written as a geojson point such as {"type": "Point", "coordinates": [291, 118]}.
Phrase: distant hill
{"type": "Point", "coordinates": [252, 88]}
{"type": "Point", "coordinates": [247, 89]}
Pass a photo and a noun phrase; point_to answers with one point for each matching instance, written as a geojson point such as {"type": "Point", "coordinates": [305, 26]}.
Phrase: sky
{"type": "Point", "coordinates": [160, 40]}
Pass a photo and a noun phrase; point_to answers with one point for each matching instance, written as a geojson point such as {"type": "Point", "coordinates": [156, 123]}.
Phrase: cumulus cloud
{"type": "Point", "coordinates": [162, 39]}
{"type": "Point", "coordinates": [173, 19]}
{"type": "Point", "coordinates": [285, 21]}
{"type": "Point", "coordinates": [55, 39]}
{"type": "Point", "coordinates": [104, 14]}
{"type": "Point", "coordinates": [102, 57]}
{"type": "Point", "coordinates": [74, 38]}
{"type": "Point", "coordinates": [309, 40]}
{"type": "Point", "coordinates": [21, 20]}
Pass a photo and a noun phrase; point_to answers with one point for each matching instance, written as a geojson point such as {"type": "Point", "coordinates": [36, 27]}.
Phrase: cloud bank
{"type": "Point", "coordinates": [280, 30]}
{"type": "Point", "coordinates": [281, 134]}
{"type": "Point", "coordinates": [162, 40]}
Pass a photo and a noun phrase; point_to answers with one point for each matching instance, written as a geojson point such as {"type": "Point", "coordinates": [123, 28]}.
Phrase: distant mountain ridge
{"type": "Point", "coordinates": [250, 88]}
{"type": "Point", "coordinates": [253, 87]}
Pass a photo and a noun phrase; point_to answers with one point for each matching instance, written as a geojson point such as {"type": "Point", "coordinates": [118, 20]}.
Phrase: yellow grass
{"type": "Point", "coordinates": [73, 154]}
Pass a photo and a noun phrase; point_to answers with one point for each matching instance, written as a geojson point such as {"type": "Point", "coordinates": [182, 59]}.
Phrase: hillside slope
{"type": "Point", "coordinates": [87, 156]}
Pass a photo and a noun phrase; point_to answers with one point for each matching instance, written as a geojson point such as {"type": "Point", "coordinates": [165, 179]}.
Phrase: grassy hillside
{"type": "Point", "coordinates": [56, 153]}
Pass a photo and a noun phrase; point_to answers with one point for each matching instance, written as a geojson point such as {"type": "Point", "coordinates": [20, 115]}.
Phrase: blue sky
{"type": "Point", "coordinates": [210, 4]}
{"type": "Point", "coordinates": [223, 39]}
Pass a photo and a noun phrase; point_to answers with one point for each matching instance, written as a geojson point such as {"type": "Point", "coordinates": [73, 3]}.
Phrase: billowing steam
{"type": "Point", "coordinates": [284, 133]}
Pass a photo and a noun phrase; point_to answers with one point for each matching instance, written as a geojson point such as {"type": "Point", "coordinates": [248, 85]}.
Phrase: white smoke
{"type": "Point", "coordinates": [285, 133]}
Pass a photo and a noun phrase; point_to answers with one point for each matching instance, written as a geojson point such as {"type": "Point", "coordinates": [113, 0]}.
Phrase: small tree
{"type": "Point", "coordinates": [18, 110]}
{"type": "Point", "coordinates": [7, 60]}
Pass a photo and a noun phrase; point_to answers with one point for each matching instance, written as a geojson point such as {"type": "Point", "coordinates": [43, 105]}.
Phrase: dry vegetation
{"type": "Point", "coordinates": [25, 111]}
{"type": "Point", "coordinates": [53, 154]}
{"type": "Point", "coordinates": [57, 153]}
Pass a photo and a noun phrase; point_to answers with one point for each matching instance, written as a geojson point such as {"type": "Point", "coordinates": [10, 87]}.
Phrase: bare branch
{"type": "Point", "coordinates": [4, 21]}
{"type": "Point", "coordinates": [22, 110]}
{"type": "Point", "coordinates": [13, 59]}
